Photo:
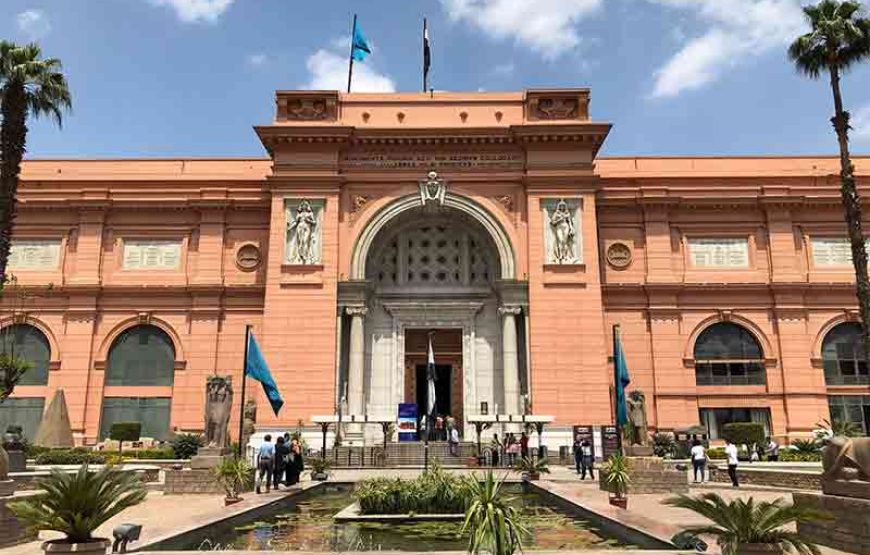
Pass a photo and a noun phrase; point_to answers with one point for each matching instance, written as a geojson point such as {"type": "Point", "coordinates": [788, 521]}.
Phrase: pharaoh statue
{"type": "Point", "coordinates": [636, 405]}
{"type": "Point", "coordinates": [564, 234]}
{"type": "Point", "coordinates": [218, 408]}
{"type": "Point", "coordinates": [303, 227]}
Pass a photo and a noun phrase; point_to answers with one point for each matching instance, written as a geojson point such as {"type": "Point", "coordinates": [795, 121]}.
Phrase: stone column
{"type": "Point", "coordinates": [510, 359]}
{"type": "Point", "coordinates": [356, 360]}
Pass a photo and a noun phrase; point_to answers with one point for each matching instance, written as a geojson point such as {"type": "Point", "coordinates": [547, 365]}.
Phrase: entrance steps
{"type": "Point", "coordinates": [402, 454]}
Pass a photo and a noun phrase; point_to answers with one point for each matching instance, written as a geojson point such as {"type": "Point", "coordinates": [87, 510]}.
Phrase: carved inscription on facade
{"type": "Point", "coordinates": [34, 255]}
{"type": "Point", "coordinates": [830, 252]}
{"type": "Point", "coordinates": [432, 160]}
{"type": "Point", "coordinates": [152, 255]}
{"type": "Point", "coordinates": [711, 253]}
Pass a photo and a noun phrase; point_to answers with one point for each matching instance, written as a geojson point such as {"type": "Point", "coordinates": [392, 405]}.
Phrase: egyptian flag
{"type": "Point", "coordinates": [427, 54]}
{"type": "Point", "coordinates": [430, 378]}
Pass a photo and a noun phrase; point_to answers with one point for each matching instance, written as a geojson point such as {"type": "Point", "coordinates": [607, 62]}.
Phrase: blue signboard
{"type": "Point", "coordinates": [407, 422]}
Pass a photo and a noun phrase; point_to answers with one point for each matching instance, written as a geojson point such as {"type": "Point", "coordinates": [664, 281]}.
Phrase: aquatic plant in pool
{"type": "Point", "coordinates": [435, 492]}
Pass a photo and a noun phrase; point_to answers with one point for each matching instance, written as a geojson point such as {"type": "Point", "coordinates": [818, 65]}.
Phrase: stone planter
{"type": "Point", "coordinates": [320, 476]}
{"type": "Point", "coordinates": [97, 546]}
{"type": "Point", "coordinates": [621, 502]}
{"type": "Point", "coordinates": [760, 549]}
{"type": "Point", "coordinates": [231, 501]}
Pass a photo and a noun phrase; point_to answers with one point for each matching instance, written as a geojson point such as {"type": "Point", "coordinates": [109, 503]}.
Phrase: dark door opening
{"type": "Point", "coordinates": [443, 376]}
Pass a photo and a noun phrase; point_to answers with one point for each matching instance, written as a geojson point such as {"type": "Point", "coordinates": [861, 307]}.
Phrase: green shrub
{"type": "Point", "coordinates": [806, 446]}
{"type": "Point", "coordinates": [717, 453]}
{"type": "Point", "coordinates": [743, 433]}
{"type": "Point", "coordinates": [125, 431]}
{"type": "Point", "coordinates": [436, 492]}
{"type": "Point", "coordinates": [78, 455]}
{"type": "Point", "coordinates": [163, 453]}
{"type": "Point", "coordinates": [185, 446]}
{"type": "Point", "coordinates": [31, 451]}
{"type": "Point", "coordinates": [790, 455]}
{"type": "Point", "coordinates": [664, 445]}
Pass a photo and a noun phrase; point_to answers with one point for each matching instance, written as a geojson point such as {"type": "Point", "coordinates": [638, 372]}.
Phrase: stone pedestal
{"type": "Point", "coordinates": [207, 458]}
{"type": "Point", "coordinates": [651, 475]}
{"type": "Point", "coordinates": [848, 531]}
{"type": "Point", "coordinates": [17, 461]}
{"type": "Point", "coordinates": [178, 482]}
{"type": "Point", "coordinates": [638, 450]}
{"type": "Point", "coordinates": [7, 487]}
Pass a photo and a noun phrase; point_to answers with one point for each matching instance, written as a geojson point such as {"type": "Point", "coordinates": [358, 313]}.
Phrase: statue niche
{"type": "Point", "coordinates": [218, 409]}
{"type": "Point", "coordinates": [303, 233]}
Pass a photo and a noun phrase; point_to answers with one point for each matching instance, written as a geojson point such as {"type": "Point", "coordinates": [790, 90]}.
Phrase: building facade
{"type": "Point", "coordinates": [486, 218]}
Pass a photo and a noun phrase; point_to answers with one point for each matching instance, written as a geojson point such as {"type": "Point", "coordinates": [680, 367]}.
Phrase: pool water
{"type": "Point", "coordinates": [306, 524]}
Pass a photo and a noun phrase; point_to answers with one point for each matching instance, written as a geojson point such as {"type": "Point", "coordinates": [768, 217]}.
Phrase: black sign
{"type": "Point", "coordinates": [609, 441]}
{"type": "Point", "coordinates": [484, 408]}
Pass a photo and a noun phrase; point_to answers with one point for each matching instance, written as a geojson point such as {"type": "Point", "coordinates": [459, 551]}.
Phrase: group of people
{"type": "Point", "coordinates": [444, 429]}
{"type": "Point", "coordinates": [279, 462]}
{"type": "Point", "coordinates": [584, 458]}
{"type": "Point", "coordinates": [700, 458]}
{"type": "Point", "coordinates": [505, 452]}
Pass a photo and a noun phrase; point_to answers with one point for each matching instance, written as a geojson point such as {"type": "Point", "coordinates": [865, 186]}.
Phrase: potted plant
{"type": "Point", "coordinates": [492, 524]}
{"type": "Point", "coordinates": [320, 468]}
{"type": "Point", "coordinates": [530, 469]}
{"type": "Point", "coordinates": [77, 504]}
{"type": "Point", "coordinates": [615, 478]}
{"type": "Point", "coordinates": [744, 527]}
{"type": "Point", "coordinates": [235, 476]}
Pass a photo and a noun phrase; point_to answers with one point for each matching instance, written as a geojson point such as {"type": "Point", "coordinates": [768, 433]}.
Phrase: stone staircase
{"type": "Point", "coordinates": [409, 454]}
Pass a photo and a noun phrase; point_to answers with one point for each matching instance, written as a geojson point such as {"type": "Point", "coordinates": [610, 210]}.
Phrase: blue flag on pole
{"type": "Point", "coordinates": [360, 48]}
{"type": "Point", "coordinates": [621, 379]}
{"type": "Point", "coordinates": [256, 368]}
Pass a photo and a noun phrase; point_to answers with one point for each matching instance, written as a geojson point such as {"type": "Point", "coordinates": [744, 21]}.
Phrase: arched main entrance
{"type": "Point", "coordinates": [441, 269]}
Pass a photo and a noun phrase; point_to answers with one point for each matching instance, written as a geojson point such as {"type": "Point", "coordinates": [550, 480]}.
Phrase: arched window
{"type": "Point", "coordinates": [727, 354]}
{"type": "Point", "coordinates": [28, 343]}
{"type": "Point", "coordinates": [141, 355]}
{"type": "Point", "coordinates": [843, 356]}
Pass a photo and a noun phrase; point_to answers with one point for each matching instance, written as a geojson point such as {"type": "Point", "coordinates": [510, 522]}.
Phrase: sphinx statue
{"type": "Point", "coordinates": [847, 458]}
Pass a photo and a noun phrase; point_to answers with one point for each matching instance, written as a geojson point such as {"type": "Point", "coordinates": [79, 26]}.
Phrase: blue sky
{"type": "Point", "coordinates": [191, 77]}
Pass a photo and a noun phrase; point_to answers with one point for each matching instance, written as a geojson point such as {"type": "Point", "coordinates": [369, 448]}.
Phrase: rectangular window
{"type": "Point", "coordinates": [711, 253]}
{"type": "Point", "coordinates": [851, 408]}
{"type": "Point", "coordinates": [151, 412]}
{"type": "Point", "coordinates": [152, 255]}
{"type": "Point", "coordinates": [24, 412]}
{"type": "Point", "coordinates": [831, 252]}
{"type": "Point", "coordinates": [34, 255]}
{"type": "Point", "coordinates": [715, 419]}
{"type": "Point", "coordinates": [723, 372]}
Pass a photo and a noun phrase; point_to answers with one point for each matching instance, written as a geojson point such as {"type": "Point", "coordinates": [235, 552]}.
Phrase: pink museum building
{"type": "Point", "coordinates": [486, 217]}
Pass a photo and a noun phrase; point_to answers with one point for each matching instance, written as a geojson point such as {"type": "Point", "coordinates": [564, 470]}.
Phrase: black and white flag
{"type": "Point", "coordinates": [427, 56]}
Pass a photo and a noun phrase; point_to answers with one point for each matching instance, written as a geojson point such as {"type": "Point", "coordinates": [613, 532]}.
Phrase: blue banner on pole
{"type": "Point", "coordinates": [256, 368]}
{"type": "Point", "coordinates": [407, 422]}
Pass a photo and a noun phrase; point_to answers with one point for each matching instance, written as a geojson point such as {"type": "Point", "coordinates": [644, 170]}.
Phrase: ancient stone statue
{"type": "Point", "coordinates": [847, 458]}
{"type": "Point", "coordinates": [636, 405]}
{"type": "Point", "coordinates": [248, 427]}
{"type": "Point", "coordinates": [303, 229]}
{"type": "Point", "coordinates": [432, 189]}
{"type": "Point", "coordinates": [218, 408]}
{"type": "Point", "coordinates": [564, 234]}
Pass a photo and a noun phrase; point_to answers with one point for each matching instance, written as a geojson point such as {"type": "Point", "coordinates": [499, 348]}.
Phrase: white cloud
{"type": "Point", "coordinates": [257, 60]}
{"type": "Point", "coordinates": [546, 26]}
{"type": "Point", "coordinates": [504, 70]}
{"type": "Point", "coordinates": [33, 23]}
{"type": "Point", "coordinates": [860, 122]}
{"type": "Point", "coordinates": [196, 11]}
{"type": "Point", "coordinates": [328, 71]}
{"type": "Point", "coordinates": [735, 31]}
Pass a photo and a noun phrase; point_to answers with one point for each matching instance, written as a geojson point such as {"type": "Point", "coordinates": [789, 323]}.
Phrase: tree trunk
{"type": "Point", "coordinates": [852, 209]}
{"type": "Point", "coordinates": [13, 135]}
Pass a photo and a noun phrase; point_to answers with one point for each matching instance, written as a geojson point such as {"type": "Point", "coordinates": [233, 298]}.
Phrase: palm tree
{"type": "Point", "coordinates": [743, 521]}
{"type": "Point", "coordinates": [840, 38]}
{"type": "Point", "coordinates": [29, 85]}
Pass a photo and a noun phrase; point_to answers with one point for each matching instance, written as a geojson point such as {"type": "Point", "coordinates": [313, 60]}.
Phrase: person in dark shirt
{"type": "Point", "coordinates": [281, 459]}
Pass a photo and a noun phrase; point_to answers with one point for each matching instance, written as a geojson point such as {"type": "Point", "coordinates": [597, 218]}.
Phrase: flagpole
{"type": "Point", "coordinates": [615, 394]}
{"type": "Point", "coordinates": [244, 383]}
{"type": "Point", "coordinates": [350, 66]}
{"type": "Point", "coordinates": [425, 76]}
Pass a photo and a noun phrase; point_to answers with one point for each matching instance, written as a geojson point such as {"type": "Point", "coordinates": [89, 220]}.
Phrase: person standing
{"type": "Point", "coordinates": [265, 463]}
{"type": "Point", "coordinates": [513, 449]}
{"type": "Point", "coordinates": [282, 459]}
{"type": "Point", "coordinates": [731, 455]}
{"type": "Point", "coordinates": [439, 427]}
{"type": "Point", "coordinates": [495, 449]}
{"type": "Point", "coordinates": [524, 445]}
{"type": "Point", "coordinates": [296, 464]}
{"type": "Point", "coordinates": [587, 460]}
{"type": "Point", "coordinates": [699, 460]}
{"type": "Point", "coordinates": [772, 450]}
{"type": "Point", "coordinates": [578, 452]}
{"type": "Point", "coordinates": [453, 440]}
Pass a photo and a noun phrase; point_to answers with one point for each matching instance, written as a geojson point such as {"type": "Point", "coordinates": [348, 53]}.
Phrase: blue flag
{"type": "Point", "coordinates": [256, 368]}
{"type": "Point", "coordinates": [360, 48]}
{"type": "Point", "coordinates": [621, 380]}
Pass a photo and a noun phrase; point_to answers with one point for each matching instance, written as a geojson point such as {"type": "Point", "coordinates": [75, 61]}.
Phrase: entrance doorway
{"type": "Point", "coordinates": [447, 347]}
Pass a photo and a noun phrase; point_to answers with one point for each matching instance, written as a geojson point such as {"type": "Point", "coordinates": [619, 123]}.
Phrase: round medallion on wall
{"type": "Point", "coordinates": [619, 256]}
{"type": "Point", "coordinates": [248, 257]}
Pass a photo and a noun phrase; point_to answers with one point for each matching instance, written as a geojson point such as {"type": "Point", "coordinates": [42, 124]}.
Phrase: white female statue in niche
{"type": "Point", "coordinates": [304, 225]}
{"type": "Point", "coordinates": [564, 233]}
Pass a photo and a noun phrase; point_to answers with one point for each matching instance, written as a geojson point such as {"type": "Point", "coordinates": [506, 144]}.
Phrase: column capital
{"type": "Point", "coordinates": [510, 310]}
{"type": "Point", "coordinates": [356, 310]}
